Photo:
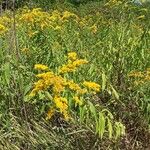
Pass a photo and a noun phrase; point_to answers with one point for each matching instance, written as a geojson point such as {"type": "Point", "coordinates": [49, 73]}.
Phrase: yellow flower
{"type": "Point", "coordinates": [62, 104]}
{"type": "Point", "coordinates": [25, 50]}
{"type": "Point", "coordinates": [34, 17]}
{"type": "Point", "coordinates": [72, 66]}
{"type": "Point", "coordinates": [49, 79]}
{"type": "Point", "coordinates": [58, 84]}
{"type": "Point", "coordinates": [66, 116]}
{"type": "Point", "coordinates": [75, 87]}
{"type": "Point", "coordinates": [31, 33]}
{"type": "Point", "coordinates": [136, 74]}
{"type": "Point", "coordinates": [79, 62]}
{"type": "Point", "coordinates": [68, 14]}
{"type": "Point", "coordinates": [67, 68]}
{"type": "Point", "coordinates": [50, 113]}
{"type": "Point", "coordinates": [46, 75]}
{"type": "Point", "coordinates": [3, 29]}
{"type": "Point", "coordinates": [57, 28]}
{"type": "Point", "coordinates": [39, 85]}
{"type": "Point", "coordinates": [40, 67]}
{"type": "Point", "coordinates": [5, 20]}
{"type": "Point", "coordinates": [73, 63]}
{"type": "Point", "coordinates": [55, 16]}
{"type": "Point", "coordinates": [72, 56]}
{"type": "Point", "coordinates": [77, 100]}
{"type": "Point", "coordinates": [141, 77]}
{"type": "Point", "coordinates": [92, 85]}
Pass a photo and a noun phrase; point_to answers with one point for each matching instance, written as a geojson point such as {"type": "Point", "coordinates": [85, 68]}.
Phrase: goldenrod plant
{"type": "Point", "coordinates": [57, 85]}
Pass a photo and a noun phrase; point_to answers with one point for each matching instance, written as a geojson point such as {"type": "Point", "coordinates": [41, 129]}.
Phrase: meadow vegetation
{"type": "Point", "coordinates": [75, 76]}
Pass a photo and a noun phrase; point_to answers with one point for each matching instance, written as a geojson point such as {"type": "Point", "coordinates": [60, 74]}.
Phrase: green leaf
{"type": "Point", "coordinates": [101, 124]}
{"type": "Point", "coordinates": [115, 92]}
{"type": "Point", "coordinates": [82, 113]}
{"type": "Point", "coordinates": [103, 81]}
{"type": "Point", "coordinates": [120, 129]}
{"type": "Point", "coordinates": [27, 98]}
{"type": "Point", "coordinates": [110, 129]}
{"type": "Point", "coordinates": [27, 88]}
{"type": "Point", "coordinates": [41, 95]}
{"type": "Point", "coordinates": [117, 130]}
{"type": "Point", "coordinates": [7, 72]}
{"type": "Point", "coordinates": [92, 110]}
{"type": "Point", "coordinates": [109, 114]}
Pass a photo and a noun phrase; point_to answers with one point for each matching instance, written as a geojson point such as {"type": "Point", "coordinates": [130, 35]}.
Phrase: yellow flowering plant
{"type": "Point", "coordinates": [5, 24]}
{"type": "Point", "coordinates": [57, 85]}
{"type": "Point", "coordinates": [63, 95]}
{"type": "Point", "coordinates": [140, 77]}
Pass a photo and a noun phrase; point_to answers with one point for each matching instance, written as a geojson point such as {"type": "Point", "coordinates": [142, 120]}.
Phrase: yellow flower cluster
{"type": "Point", "coordinates": [136, 74]}
{"type": "Point", "coordinates": [92, 86]}
{"type": "Point", "coordinates": [68, 14]}
{"type": "Point", "coordinates": [73, 63]}
{"type": "Point", "coordinates": [36, 18]}
{"type": "Point", "coordinates": [46, 80]}
{"type": "Point", "coordinates": [5, 24]}
{"type": "Point", "coordinates": [5, 20]}
{"type": "Point", "coordinates": [141, 77]}
{"type": "Point", "coordinates": [113, 3]}
{"type": "Point", "coordinates": [72, 56]}
{"type": "Point", "coordinates": [62, 105]}
{"type": "Point", "coordinates": [57, 86]}
{"type": "Point", "coordinates": [50, 113]}
{"type": "Point", "coordinates": [77, 100]}
{"type": "Point", "coordinates": [32, 16]}
{"type": "Point", "coordinates": [3, 29]}
{"type": "Point", "coordinates": [40, 67]}
{"type": "Point", "coordinates": [75, 87]}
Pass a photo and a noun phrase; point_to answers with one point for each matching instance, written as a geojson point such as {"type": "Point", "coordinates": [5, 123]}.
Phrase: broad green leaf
{"type": "Point", "coordinates": [92, 110]}
{"type": "Point", "coordinates": [41, 95]}
{"type": "Point", "coordinates": [27, 88]}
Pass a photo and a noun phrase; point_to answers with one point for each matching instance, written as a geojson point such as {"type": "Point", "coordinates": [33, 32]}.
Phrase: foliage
{"type": "Point", "coordinates": [47, 83]}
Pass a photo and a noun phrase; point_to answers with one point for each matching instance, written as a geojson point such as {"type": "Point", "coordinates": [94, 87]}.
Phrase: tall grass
{"type": "Point", "coordinates": [114, 38]}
